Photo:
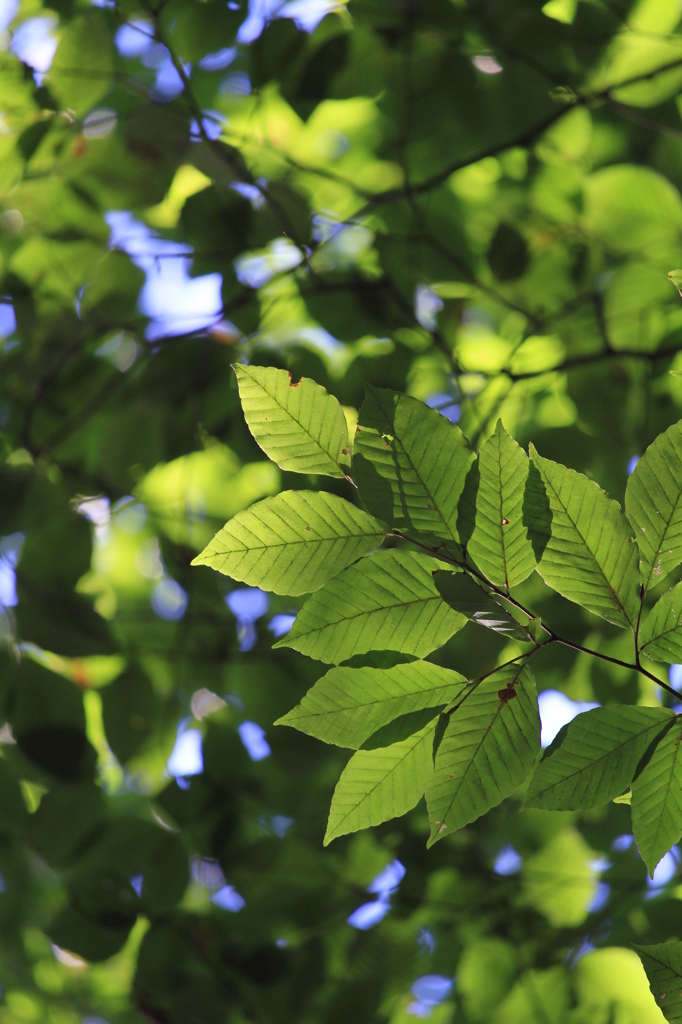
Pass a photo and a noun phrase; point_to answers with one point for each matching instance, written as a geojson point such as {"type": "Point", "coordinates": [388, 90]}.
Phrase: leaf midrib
{"type": "Point", "coordinates": [369, 611]}
{"type": "Point", "coordinates": [661, 963]}
{"type": "Point", "coordinates": [664, 801]}
{"type": "Point", "coordinates": [515, 678]}
{"type": "Point", "coordinates": [376, 703]}
{"type": "Point", "coordinates": [369, 792]}
{"type": "Point", "coordinates": [667, 521]}
{"type": "Point", "coordinates": [501, 515]}
{"type": "Point", "coordinates": [584, 540]}
{"type": "Point", "coordinates": [418, 474]}
{"type": "Point", "coordinates": [290, 543]}
{"type": "Point", "coordinates": [614, 750]}
{"type": "Point", "coordinates": [665, 632]}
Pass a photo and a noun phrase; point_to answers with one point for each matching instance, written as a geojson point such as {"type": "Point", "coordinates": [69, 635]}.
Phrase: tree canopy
{"type": "Point", "coordinates": [372, 308]}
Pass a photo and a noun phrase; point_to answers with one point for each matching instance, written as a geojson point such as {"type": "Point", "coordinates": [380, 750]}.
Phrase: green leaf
{"type": "Point", "coordinates": [410, 464]}
{"type": "Point", "coordinates": [485, 973]}
{"type": "Point", "coordinates": [499, 542]}
{"type": "Point", "coordinates": [595, 758]}
{"type": "Point", "coordinates": [377, 785]}
{"type": "Point", "coordinates": [660, 636]}
{"type": "Point", "coordinates": [466, 596]}
{"type": "Point", "coordinates": [653, 502]}
{"type": "Point", "coordinates": [348, 705]}
{"type": "Point", "coordinates": [83, 67]}
{"type": "Point", "coordinates": [488, 749]}
{"type": "Point", "coordinates": [538, 997]}
{"type": "Point", "coordinates": [299, 426]}
{"type": "Point", "coordinates": [386, 602]}
{"type": "Point", "coordinates": [663, 966]}
{"type": "Point", "coordinates": [657, 800]}
{"type": "Point", "coordinates": [560, 879]}
{"type": "Point", "coordinates": [292, 543]}
{"type": "Point", "coordinates": [588, 553]}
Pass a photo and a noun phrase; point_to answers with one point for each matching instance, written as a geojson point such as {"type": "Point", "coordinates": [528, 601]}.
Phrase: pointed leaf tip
{"type": "Point", "coordinates": [294, 542]}
{"type": "Point", "coordinates": [584, 542]}
{"type": "Point", "coordinates": [492, 506]}
{"type": "Point", "coordinates": [377, 785]}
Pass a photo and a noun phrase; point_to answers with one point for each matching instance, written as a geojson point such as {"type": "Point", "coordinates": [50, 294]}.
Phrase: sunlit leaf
{"type": "Point", "coordinates": [587, 553]}
{"type": "Point", "coordinates": [488, 749]}
{"type": "Point", "coordinates": [536, 998]}
{"type": "Point", "coordinates": [653, 500]}
{"type": "Point", "coordinates": [292, 543]}
{"type": "Point", "coordinates": [663, 966]}
{"type": "Point", "coordinates": [660, 635]}
{"type": "Point", "coordinates": [377, 785]}
{"type": "Point", "coordinates": [348, 705]}
{"type": "Point", "coordinates": [386, 602]}
{"type": "Point", "coordinates": [499, 542]}
{"type": "Point", "coordinates": [410, 464]}
{"type": "Point", "coordinates": [657, 800]}
{"type": "Point", "coordinates": [83, 66]}
{"type": "Point", "coordinates": [299, 426]}
{"type": "Point", "coordinates": [560, 879]}
{"type": "Point", "coordinates": [594, 759]}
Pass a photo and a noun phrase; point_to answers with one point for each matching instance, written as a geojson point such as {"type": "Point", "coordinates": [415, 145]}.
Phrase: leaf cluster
{"type": "Point", "coordinates": [466, 532]}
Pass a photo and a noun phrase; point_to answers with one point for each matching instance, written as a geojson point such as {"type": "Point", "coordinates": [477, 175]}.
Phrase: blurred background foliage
{"type": "Point", "coordinates": [472, 201]}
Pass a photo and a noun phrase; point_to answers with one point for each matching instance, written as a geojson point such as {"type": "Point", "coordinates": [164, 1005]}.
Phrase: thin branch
{"type": "Point", "coordinates": [593, 357]}
{"type": "Point", "coordinates": [644, 122]}
{"type": "Point", "coordinates": [614, 661]}
{"type": "Point", "coordinates": [477, 682]}
{"type": "Point", "coordinates": [525, 138]}
{"type": "Point", "coordinates": [553, 637]}
{"type": "Point", "coordinates": [468, 568]}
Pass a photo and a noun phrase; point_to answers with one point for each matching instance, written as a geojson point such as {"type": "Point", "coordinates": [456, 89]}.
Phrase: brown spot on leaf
{"type": "Point", "coordinates": [508, 693]}
{"type": "Point", "coordinates": [505, 522]}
